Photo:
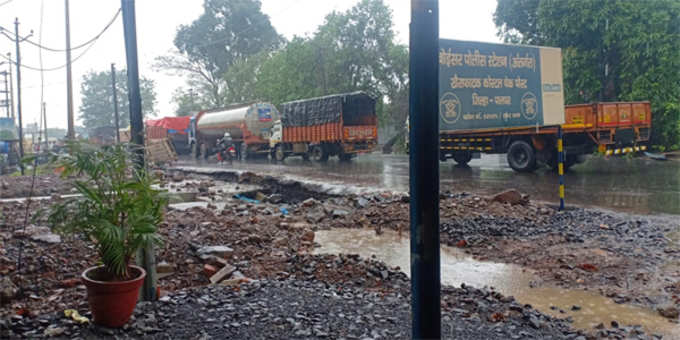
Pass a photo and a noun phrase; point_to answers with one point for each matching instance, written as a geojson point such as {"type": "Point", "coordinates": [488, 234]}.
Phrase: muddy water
{"type": "Point", "coordinates": [457, 268]}
{"type": "Point", "coordinates": [631, 185]}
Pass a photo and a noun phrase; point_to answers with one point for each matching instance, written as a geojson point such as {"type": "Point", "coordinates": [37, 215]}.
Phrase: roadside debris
{"type": "Point", "coordinates": [75, 316]}
{"type": "Point", "coordinates": [236, 244]}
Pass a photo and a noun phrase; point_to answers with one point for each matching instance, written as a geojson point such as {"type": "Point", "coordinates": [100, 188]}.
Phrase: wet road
{"type": "Point", "coordinates": [630, 185]}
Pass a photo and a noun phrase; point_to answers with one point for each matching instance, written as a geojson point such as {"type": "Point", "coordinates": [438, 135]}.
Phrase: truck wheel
{"type": "Point", "coordinates": [204, 151]}
{"type": "Point", "coordinates": [243, 152]}
{"type": "Point", "coordinates": [305, 156]}
{"type": "Point", "coordinates": [345, 157]}
{"type": "Point", "coordinates": [319, 153]}
{"type": "Point", "coordinates": [521, 156]}
{"type": "Point", "coordinates": [279, 154]}
{"type": "Point", "coordinates": [195, 151]}
{"type": "Point", "coordinates": [462, 157]}
{"type": "Point", "coordinates": [570, 161]}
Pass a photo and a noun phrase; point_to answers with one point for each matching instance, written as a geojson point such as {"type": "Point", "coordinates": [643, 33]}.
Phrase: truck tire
{"type": "Point", "coordinates": [279, 154]}
{"type": "Point", "coordinates": [521, 156]}
{"type": "Point", "coordinates": [204, 151]}
{"type": "Point", "coordinates": [345, 157]}
{"type": "Point", "coordinates": [305, 156]}
{"type": "Point", "coordinates": [195, 150]}
{"type": "Point", "coordinates": [243, 151]}
{"type": "Point", "coordinates": [319, 153]}
{"type": "Point", "coordinates": [462, 157]}
{"type": "Point", "coordinates": [570, 161]}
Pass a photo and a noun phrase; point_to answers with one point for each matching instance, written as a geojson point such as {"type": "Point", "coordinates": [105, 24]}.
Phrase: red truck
{"type": "Point", "coordinates": [342, 125]}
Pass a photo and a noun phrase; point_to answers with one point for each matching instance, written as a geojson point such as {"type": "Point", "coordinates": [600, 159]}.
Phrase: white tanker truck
{"type": "Point", "coordinates": [250, 126]}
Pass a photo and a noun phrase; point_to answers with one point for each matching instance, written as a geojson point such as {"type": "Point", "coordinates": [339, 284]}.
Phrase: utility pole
{"type": "Point", "coordinates": [21, 129]}
{"type": "Point", "coordinates": [44, 116]}
{"type": "Point", "coordinates": [146, 256]}
{"type": "Point", "coordinates": [115, 101]}
{"type": "Point", "coordinates": [6, 91]}
{"type": "Point", "coordinates": [71, 134]}
{"type": "Point", "coordinates": [11, 86]}
{"type": "Point", "coordinates": [424, 169]}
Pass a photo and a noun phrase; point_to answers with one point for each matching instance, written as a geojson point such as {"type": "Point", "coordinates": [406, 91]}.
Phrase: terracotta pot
{"type": "Point", "coordinates": [112, 303]}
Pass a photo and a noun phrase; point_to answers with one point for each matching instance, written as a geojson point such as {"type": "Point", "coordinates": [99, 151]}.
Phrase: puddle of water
{"type": "Point", "coordinates": [181, 197]}
{"type": "Point", "coordinates": [458, 267]}
{"type": "Point", "coordinates": [189, 205]}
{"type": "Point", "coordinates": [36, 198]}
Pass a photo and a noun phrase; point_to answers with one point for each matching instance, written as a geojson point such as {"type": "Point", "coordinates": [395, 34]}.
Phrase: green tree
{"type": "Point", "coordinates": [188, 102]}
{"type": "Point", "coordinates": [96, 108]}
{"type": "Point", "coordinates": [229, 31]}
{"type": "Point", "coordinates": [613, 50]}
{"type": "Point", "coordinates": [351, 51]}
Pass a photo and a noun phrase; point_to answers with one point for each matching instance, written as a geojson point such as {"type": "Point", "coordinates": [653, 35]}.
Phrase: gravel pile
{"type": "Point", "coordinates": [294, 309]}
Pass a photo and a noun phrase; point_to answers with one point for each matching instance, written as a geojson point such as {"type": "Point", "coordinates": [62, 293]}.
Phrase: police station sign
{"type": "Point", "coordinates": [492, 86]}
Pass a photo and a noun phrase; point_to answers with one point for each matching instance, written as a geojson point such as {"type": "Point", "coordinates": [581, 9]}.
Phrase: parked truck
{"type": "Point", "coordinates": [497, 98]}
{"type": "Point", "coordinates": [607, 128]}
{"type": "Point", "coordinates": [342, 125]}
{"type": "Point", "coordinates": [249, 125]}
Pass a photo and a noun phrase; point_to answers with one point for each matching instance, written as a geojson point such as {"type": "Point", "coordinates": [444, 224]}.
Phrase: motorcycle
{"type": "Point", "coordinates": [227, 153]}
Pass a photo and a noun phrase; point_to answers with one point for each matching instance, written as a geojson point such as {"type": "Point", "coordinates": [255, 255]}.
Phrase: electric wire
{"type": "Point", "coordinates": [5, 3]}
{"type": "Point", "coordinates": [33, 68]}
{"type": "Point", "coordinates": [89, 45]}
{"type": "Point", "coordinates": [39, 44]}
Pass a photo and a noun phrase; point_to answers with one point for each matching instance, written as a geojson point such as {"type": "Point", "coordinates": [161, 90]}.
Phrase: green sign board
{"type": "Point", "coordinates": [484, 86]}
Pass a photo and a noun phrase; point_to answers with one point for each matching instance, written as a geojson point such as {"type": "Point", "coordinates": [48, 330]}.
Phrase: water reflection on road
{"type": "Point", "coordinates": [630, 185]}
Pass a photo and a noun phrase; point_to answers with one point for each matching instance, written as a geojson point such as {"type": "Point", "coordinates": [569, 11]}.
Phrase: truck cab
{"type": "Point", "coordinates": [276, 135]}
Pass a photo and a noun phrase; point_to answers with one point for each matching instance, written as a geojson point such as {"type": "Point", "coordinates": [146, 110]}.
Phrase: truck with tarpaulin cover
{"type": "Point", "coordinates": [342, 125]}
{"type": "Point", "coordinates": [499, 98]}
{"type": "Point", "coordinates": [174, 129]}
{"type": "Point", "coordinates": [250, 127]}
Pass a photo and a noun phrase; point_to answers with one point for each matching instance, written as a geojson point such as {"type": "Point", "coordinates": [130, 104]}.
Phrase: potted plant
{"type": "Point", "coordinates": [118, 210]}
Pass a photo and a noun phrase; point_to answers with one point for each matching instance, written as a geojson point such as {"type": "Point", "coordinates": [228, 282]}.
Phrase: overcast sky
{"type": "Point", "coordinates": [157, 22]}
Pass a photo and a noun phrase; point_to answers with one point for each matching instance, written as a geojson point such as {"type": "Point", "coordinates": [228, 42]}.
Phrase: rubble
{"type": "Point", "coordinates": [220, 251]}
{"type": "Point", "coordinates": [256, 245]}
{"type": "Point", "coordinates": [669, 312]}
{"type": "Point", "coordinates": [222, 273]}
{"type": "Point", "coordinates": [8, 290]}
{"type": "Point", "coordinates": [511, 196]}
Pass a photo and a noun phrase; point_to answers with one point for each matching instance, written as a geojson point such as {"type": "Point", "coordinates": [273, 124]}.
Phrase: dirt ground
{"type": "Point", "coordinates": [631, 259]}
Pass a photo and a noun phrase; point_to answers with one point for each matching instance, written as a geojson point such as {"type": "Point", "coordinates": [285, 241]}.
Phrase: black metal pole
{"type": "Point", "coordinates": [424, 169]}
{"type": "Point", "coordinates": [21, 129]}
{"type": "Point", "coordinates": [145, 256]}
{"type": "Point", "coordinates": [115, 101]}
